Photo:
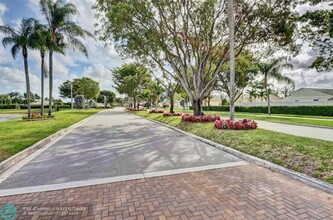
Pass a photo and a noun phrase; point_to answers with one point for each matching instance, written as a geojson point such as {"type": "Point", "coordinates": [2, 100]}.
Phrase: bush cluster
{"type": "Point", "coordinates": [156, 111]}
{"type": "Point", "coordinates": [135, 109]}
{"type": "Point", "coordinates": [326, 110]}
{"type": "Point", "coordinates": [172, 114]}
{"type": "Point", "coordinates": [7, 106]}
{"type": "Point", "coordinates": [244, 124]}
{"type": "Point", "coordinates": [45, 106]}
{"type": "Point", "coordinates": [204, 118]}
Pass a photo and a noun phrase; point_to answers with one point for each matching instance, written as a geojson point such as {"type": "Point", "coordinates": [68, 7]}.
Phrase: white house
{"type": "Point", "coordinates": [309, 95]}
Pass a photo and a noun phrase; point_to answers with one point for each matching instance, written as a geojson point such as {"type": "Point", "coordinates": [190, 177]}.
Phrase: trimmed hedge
{"type": "Point", "coordinates": [326, 110]}
{"type": "Point", "coordinates": [45, 106]}
{"type": "Point", "coordinates": [7, 106]}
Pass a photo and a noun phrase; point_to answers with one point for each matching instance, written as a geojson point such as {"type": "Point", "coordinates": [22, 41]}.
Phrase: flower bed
{"type": "Point", "coordinates": [204, 118]}
{"type": "Point", "coordinates": [37, 117]}
{"type": "Point", "coordinates": [243, 124]}
{"type": "Point", "coordinates": [135, 109]}
{"type": "Point", "coordinates": [172, 114]}
{"type": "Point", "coordinates": [156, 111]}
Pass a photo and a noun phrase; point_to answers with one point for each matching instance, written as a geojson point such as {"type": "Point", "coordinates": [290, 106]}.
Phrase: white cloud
{"type": "Point", "coordinates": [14, 80]}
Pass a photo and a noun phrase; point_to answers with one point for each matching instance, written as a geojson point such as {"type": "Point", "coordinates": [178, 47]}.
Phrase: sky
{"type": "Point", "coordinates": [101, 58]}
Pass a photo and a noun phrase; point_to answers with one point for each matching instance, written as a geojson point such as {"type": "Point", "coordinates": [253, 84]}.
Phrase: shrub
{"type": "Point", "coordinates": [156, 111]}
{"type": "Point", "coordinates": [172, 114]}
{"type": "Point", "coordinates": [7, 106]}
{"type": "Point", "coordinates": [293, 110]}
{"type": "Point", "coordinates": [45, 106]}
{"type": "Point", "coordinates": [245, 124]}
{"type": "Point", "coordinates": [135, 109]}
{"type": "Point", "coordinates": [204, 118]}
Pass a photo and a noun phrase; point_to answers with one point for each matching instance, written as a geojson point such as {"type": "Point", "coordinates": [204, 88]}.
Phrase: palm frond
{"type": "Point", "coordinates": [6, 41]}
{"type": "Point", "coordinates": [15, 50]}
{"type": "Point", "coordinates": [45, 8]}
{"type": "Point", "coordinates": [7, 30]}
{"type": "Point", "coordinates": [77, 44]}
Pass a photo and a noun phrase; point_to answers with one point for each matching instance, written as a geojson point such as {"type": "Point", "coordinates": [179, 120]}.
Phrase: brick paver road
{"type": "Point", "coordinates": [243, 192]}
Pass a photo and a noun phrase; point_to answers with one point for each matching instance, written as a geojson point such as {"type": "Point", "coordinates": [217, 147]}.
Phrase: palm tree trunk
{"type": "Point", "coordinates": [42, 55]}
{"type": "Point", "coordinates": [50, 81]}
{"type": "Point", "coordinates": [268, 101]}
{"type": "Point", "coordinates": [231, 20]}
{"type": "Point", "coordinates": [27, 79]}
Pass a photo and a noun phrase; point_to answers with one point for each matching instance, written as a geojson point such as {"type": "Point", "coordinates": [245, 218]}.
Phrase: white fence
{"type": "Point", "coordinates": [313, 103]}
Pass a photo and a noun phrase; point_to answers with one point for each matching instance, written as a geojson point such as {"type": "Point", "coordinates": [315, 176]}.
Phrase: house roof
{"type": "Point", "coordinates": [326, 91]}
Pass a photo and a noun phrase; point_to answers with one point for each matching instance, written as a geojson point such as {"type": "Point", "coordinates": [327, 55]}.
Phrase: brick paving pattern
{"type": "Point", "coordinates": [243, 192]}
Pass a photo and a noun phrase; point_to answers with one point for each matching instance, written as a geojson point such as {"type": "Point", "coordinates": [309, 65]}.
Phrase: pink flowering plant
{"type": "Point", "coordinates": [203, 118]}
{"type": "Point", "coordinates": [156, 111]}
{"type": "Point", "coordinates": [172, 114]}
{"type": "Point", "coordinates": [243, 124]}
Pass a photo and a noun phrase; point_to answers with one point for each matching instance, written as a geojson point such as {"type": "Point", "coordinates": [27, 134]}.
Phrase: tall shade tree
{"type": "Point", "coordinates": [19, 39]}
{"type": "Point", "coordinates": [231, 22]}
{"type": "Point", "coordinates": [317, 29]}
{"type": "Point", "coordinates": [186, 36]}
{"type": "Point", "coordinates": [170, 85]}
{"type": "Point", "coordinates": [62, 29]}
{"type": "Point", "coordinates": [131, 79]}
{"type": "Point", "coordinates": [272, 71]}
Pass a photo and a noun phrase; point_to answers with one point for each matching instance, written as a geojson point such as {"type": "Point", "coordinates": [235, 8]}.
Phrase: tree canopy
{"type": "Point", "coordinates": [186, 36]}
{"type": "Point", "coordinates": [81, 86]}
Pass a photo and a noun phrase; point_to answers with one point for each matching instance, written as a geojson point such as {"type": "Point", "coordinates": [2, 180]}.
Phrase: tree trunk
{"type": "Point", "coordinates": [27, 79]}
{"type": "Point", "coordinates": [268, 101]}
{"type": "Point", "coordinates": [231, 20]}
{"type": "Point", "coordinates": [197, 107]}
{"type": "Point", "coordinates": [208, 103]}
{"type": "Point", "coordinates": [134, 102]}
{"type": "Point", "coordinates": [50, 81]}
{"type": "Point", "coordinates": [172, 102]}
{"type": "Point", "coordinates": [42, 54]}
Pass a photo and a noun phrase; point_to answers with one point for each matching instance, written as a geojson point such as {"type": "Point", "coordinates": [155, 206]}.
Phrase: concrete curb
{"type": "Point", "coordinates": [251, 159]}
{"type": "Point", "coordinates": [11, 161]}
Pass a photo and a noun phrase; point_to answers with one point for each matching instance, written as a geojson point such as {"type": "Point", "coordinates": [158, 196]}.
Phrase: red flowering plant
{"type": "Point", "coordinates": [135, 109]}
{"type": "Point", "coordinates": [203, 118]}
{"type": "Point", "coordinates": [172, 114]}
{"type": "Point", "coordinates": [156, 111]}
{"type": "Point", "coordinates": [245, 124]}
{"type": "Point", "coordinates": [36, 115]}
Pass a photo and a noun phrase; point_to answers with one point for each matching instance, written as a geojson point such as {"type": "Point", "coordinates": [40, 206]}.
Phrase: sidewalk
{"type": "Point", "coordinates": [325, 134]}
{"type": "Point", "coordinates": [243, 192]}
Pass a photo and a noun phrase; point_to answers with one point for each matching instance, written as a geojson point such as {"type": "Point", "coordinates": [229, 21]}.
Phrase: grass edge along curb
{"type": "Point", "coordinates": [11, 161]}
{"type": "Point", "coordinates": [311, 181]}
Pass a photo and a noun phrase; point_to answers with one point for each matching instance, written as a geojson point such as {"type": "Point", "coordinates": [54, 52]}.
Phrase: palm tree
{"type": "Point", "coordinates": [252, 93]}
{"type": "Point", "coordinates": [41, 40]}
{"type": "Point", "coordinates": [20, 39]}
{"type": "Point", "coordinates": [60, 27]}
{"type": "Point", "coordinates": [231, 20]}
{"type": "Point", "coordinates": [272, 71]}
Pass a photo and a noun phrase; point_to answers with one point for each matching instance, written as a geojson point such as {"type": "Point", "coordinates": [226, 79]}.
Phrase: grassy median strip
{"type": "Point", "coordinates": [293, 119]}
{"type": "Point", "coordinates": [16, 135]}
{"type": "Point", "coordinates": [306, 155]}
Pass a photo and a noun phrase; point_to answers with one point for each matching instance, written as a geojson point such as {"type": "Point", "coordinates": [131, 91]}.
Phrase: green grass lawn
{"type": "Point", "coordinates": [310, 156]}
{"type": "Point", "coordinates": [293, 119]}
{"type": "Point", "coordinates": [16, 135]}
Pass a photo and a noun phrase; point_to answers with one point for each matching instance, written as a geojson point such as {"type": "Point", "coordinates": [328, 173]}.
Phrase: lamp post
{"type": "Point", "coordinates": [72, 96]}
